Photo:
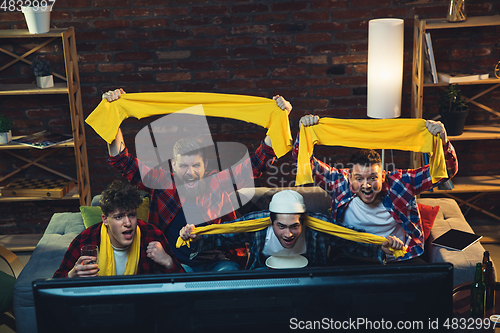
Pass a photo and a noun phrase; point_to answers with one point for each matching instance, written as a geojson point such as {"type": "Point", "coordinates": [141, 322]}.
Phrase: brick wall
{"type": "Point", "coordinates": [312, 52]}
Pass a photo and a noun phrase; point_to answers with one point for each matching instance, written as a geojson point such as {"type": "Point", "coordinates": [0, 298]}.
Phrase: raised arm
{"type": "Point", "coordinates": [118, 144]}
{"type": "Point", "coordinates": [437, 127]}
{"type": "Point", "coordinates": [308, 120]}
{"type": "Point", "coordinates": [285, 106]}
{"type": "Point", "coordinates": [260, 160]}
{"type": "Point", "coordinates": [323, 174]}
{"type": "Point", "coordinates": [420, 178]}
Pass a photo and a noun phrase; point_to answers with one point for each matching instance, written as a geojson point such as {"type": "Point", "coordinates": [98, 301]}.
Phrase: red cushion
{"type": "Point", "coordinates": [427, 216]}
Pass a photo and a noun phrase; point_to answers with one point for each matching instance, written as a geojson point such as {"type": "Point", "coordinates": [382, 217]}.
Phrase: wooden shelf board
{"type": "Point", "coordinates": [445, 84]}
{"type": "Point", "coordinates": [24, 33]}
{"type": "Point", "coordinates": [471, 22]}
{"type": "Point", "coordinates": [16, 146]}
{"type": "Point", "coordinates": [32, 89]}
{"type": "Point", "coordinates": [478, 132]}
{"type": "Point", "coordinates": [21, 242]}
{"type": "Point", "coordinates": [73, 194]}
{"type": "Point", "coordinates": [472, 184]}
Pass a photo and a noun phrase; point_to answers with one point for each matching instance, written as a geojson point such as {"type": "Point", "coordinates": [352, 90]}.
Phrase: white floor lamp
{"type": "Point", "coordinates": [385, 69]}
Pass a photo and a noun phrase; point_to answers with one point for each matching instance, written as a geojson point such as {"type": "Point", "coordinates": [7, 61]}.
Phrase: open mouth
{"type": "Point", "coordinates": [288, 241]}
{"type": "Point", "coordinates": [128, 234]}
{"type": "Point", "coordinates": [368, 193]}
{"type": "Point", "coordinates": [191, 183]}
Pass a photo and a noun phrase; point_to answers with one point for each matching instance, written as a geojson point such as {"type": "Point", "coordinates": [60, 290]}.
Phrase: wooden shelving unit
{"type": "Point", "coordinates": [478, 132]}
{"type": "Point", "coordinates": [72, 89]}
{"type": "Point", "coordinates": [476, 184]}
{"type": "Point", "coordinates": [418, 85]}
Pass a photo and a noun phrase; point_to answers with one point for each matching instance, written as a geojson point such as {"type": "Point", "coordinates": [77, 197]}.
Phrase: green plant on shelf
{"type": "Point", "coordinates": [452, 100]}
{"type": "Point", "coordinates": [41, 67]}
{"type": "Point", "coordinates": [6, 123]}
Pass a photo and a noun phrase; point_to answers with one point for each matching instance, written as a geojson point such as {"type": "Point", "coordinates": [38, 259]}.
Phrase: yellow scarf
{"type": "Point", "coordinates": [107, 117]}
{"type": "Point", "coordinates": [107, 257]}
{"type": "Point", "coordinates": [311, 222]}
{"type": "Point", "coordinates": [402, 134]}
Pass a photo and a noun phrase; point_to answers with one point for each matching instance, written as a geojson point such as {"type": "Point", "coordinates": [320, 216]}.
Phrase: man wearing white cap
{"type": "Point", "coordinates": [287, 236]}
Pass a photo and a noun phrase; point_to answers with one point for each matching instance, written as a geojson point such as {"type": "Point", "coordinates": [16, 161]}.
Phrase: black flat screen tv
{"type": "Point", "coordinates": [328, 298]}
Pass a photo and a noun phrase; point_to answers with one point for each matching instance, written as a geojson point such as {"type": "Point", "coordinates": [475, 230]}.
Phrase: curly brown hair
{"type": "Point", "coordinates": [121, 196]}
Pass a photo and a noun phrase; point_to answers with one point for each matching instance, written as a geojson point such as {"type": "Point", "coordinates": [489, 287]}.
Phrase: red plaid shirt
{"type": "Point", "coordinates": [92, 236]}
{"type": "Point", "coordinates": [165, 202]}
{"type": "Point", "coordinates": [398, 194]}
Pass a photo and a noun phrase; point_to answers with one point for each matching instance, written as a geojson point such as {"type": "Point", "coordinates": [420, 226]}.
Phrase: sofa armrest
{"type": "Point", "coordinates": [44, 261]}
{"type": "Point", "coordinates": [450, 217]}
{"type": "Point", "coordinates": [65, 223]}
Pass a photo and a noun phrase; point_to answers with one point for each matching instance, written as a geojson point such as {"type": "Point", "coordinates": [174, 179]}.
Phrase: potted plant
{"type": "Point", "coordinates": [6, 124]}
{"type": "Point", "coordinates": [42, 70]}
{"type": "Point", "coordinates": [37, 16]}
{"type": "Point", "coordinates": [453, 109]}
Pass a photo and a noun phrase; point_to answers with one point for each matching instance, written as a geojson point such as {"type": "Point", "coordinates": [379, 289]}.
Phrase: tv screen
{"type": "Point", "coordinates": [364, 297]}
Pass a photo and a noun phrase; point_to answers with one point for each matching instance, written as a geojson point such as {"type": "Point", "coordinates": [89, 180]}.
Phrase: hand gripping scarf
{"type": "Point", "coordinates": [107, 257]}
{"type": "Point", "coordinates": [311, 222]}
{"type": "Point", "coordinates": [402, 134]}
{"type": "Point", "coordinates": [107, 117]}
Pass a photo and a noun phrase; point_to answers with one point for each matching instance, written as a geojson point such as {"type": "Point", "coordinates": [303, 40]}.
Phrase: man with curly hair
{"type": "Point", "coordinates": [127, 246]}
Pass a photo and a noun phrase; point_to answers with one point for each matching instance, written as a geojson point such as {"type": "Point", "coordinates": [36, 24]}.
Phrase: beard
{"type": "Point", "coordinates": [190, 189]}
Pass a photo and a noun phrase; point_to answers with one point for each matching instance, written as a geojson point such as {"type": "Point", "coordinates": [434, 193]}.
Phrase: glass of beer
{"type": "Point", "coordinates": [90, 251]}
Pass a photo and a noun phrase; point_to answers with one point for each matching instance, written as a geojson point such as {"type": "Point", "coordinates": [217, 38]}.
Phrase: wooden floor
{"type": "Point", "coordinates": [7, 323]}
{"type": "Point", "coordinates": [22, 246]}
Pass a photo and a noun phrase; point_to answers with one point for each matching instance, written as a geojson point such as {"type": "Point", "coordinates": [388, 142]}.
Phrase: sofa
{"type": "Point", "coordinates": [63, 227]}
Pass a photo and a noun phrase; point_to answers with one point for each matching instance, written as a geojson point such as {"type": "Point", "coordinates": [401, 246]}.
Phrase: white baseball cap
{"type": "Point", "coordinates": [287, 202]}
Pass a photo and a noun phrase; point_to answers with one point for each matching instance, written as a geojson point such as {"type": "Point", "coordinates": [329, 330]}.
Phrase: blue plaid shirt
{"type": "Point", "coordinates": [317, 243]}
{"type": "Point", "coordinates": [398, 194]}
